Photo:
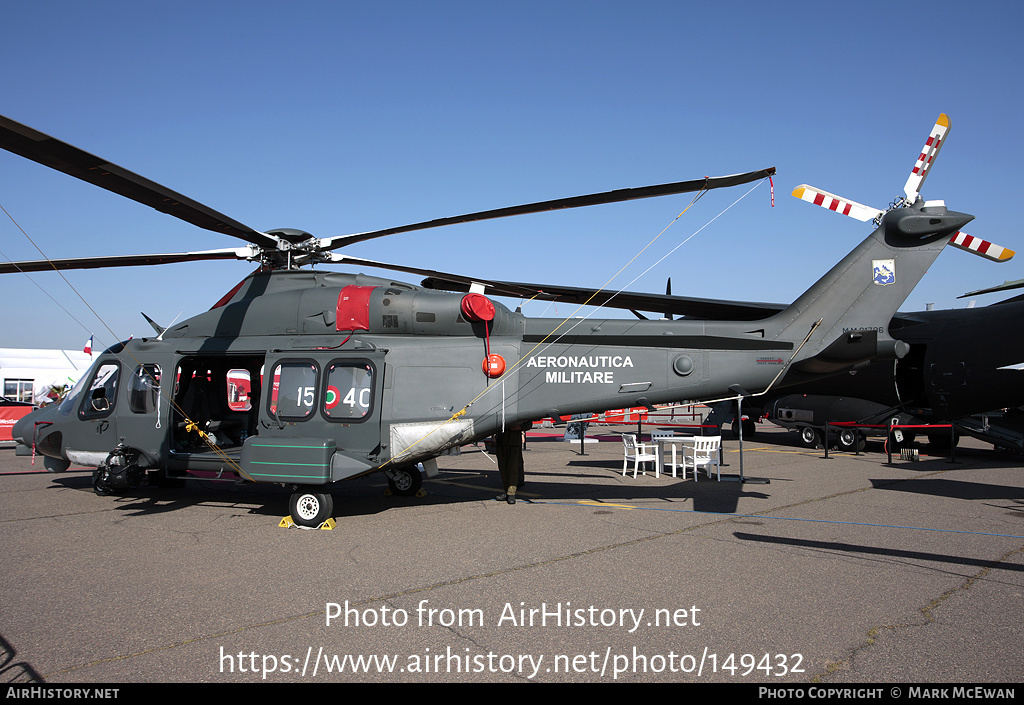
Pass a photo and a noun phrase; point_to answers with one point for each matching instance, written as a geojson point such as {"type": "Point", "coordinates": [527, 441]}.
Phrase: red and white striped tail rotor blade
{"type": "Point", "coordinates": [835, 203]}
{"type": "Point", "coordinates": [936, 139]}
{"type": "Point", "coordinates": [984, 248]}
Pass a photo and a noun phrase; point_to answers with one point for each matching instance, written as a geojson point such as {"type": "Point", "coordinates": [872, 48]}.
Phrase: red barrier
{"type": "Point", "coordinates": [613, 416]}
{"type": "Point", "coordinates": [8, 416]}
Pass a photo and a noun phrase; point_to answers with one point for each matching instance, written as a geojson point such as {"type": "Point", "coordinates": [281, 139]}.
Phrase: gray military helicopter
{"type": "Point", "coordinates": [306, 378]}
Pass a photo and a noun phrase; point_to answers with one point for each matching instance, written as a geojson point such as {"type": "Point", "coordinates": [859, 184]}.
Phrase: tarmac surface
{"type": "Point", "coordinates": [838, 570]}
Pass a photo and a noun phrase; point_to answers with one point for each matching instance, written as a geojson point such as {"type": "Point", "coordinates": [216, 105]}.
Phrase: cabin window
{"type": "Point", "coordinates": [348, 395]}
{"type": "Point", "coordinates": [144, 389]}
{"type": "Point", "coordinates": [102, 393]}
{"type": "Point", "coordinates": [239, 390]}
{"type": "Point", "coordinates": [293, 395]}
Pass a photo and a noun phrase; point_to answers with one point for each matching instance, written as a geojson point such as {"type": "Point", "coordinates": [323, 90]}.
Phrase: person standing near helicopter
{"type": "Point", "coordinates": [508, 448]}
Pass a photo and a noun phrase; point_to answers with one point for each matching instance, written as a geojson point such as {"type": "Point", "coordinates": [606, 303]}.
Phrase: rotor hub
{"type": "Point", "coordinates": [291, 235]}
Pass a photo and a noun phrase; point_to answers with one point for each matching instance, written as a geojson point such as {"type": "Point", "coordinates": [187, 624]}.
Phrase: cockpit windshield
{"type": "Point", "coordinates": [67, 406]}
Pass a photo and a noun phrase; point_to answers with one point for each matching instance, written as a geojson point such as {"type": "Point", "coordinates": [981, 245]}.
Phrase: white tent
{"type": "Point", "coordinates": [30, 375]}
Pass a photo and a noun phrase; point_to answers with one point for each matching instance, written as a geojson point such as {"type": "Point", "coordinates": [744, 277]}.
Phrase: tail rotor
{"type": "Point", "coordinates": [912, 194]}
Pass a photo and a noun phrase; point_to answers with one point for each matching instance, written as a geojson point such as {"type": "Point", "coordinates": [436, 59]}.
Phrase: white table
{"type": "Point", "coordinates": [663, 444]}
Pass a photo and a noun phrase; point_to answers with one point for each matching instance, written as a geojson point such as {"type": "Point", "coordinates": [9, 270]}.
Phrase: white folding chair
{"type": "Point", "coordinates": [703, 454]}
{"type": "Point", "coordinates": [638, 453]}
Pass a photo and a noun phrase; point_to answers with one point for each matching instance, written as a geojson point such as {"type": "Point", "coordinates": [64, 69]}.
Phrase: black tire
{"type": "Point", "coordinates": [55, 464]}
{"type": "Point", "coordinates": [310, 508]}
{"type": "Point", "coordinates": [749, 428]}
{"type": "Point", "coordinates": [941, 440]}
{"type": "Point", "coordinates": [406, 482]}
{"type": "Point", "coordinates": [810, 437]}
{"type": "Point", "coordinates": [851, 440]}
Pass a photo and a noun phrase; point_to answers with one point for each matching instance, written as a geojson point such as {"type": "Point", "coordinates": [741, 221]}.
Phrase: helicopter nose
{"type": "Point", "coordinates": [22, 430]}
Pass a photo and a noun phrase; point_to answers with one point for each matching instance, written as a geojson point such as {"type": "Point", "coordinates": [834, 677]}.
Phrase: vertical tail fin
{"type": "Point", "coordinates": [849, 309]}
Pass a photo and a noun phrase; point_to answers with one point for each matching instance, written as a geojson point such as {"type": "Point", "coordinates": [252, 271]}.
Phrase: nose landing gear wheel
{"type": "Point", "coordinates": [311, 508]}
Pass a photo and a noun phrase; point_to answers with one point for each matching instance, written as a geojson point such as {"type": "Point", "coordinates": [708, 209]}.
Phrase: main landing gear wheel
{"type": "Point", "coordinates": [311, 508]}
{"type": "Point", "coordinates": [405, 482]}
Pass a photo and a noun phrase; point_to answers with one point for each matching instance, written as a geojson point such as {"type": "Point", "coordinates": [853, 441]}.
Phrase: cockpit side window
{"type": "Point", "coordinates": [101, 395]}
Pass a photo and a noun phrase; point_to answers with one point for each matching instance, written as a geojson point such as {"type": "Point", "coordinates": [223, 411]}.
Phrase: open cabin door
{"type": "Point", "coordinates": [217, 394]}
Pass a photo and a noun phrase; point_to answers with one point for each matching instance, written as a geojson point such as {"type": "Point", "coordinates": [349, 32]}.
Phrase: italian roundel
{"type": "Point", "coordinates": [332, 398]}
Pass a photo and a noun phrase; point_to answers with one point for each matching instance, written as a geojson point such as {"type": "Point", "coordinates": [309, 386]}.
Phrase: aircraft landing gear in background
{"type": "Point", "coordinates": [810, 437]}
{"type": "Point", "coordinates": [851, 440]}
{"type": "Point", "coordinates": [749, 428]}
{"type": "Point", "coordinates": [943, 440]}
{"type": "Point", "coordinates": [846, 439]}
{"type": "Point", "coordinates": [310, 508]}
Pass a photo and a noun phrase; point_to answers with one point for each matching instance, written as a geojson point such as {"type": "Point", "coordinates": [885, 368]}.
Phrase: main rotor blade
{"type": "Point", "coordinates": [626, 194]}
{"type": "Point", "coordinates": [444, 276]}
{"type": "Point", "coordinates": [1005, 286]}
{"type": "Point", "coordinates": [121, 260]}
{"type": "Point", "coordinates": [49, 151]}
{"type": "Point", "coordinates": [666, 304]}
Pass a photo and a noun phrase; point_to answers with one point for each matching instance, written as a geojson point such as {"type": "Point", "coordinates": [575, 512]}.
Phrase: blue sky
{"type": "Point", "coordinates": [340, 117]}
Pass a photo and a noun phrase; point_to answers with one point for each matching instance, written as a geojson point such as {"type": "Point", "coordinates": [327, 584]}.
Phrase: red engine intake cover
{"type": "Point", "coordinates": [477, 307]}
